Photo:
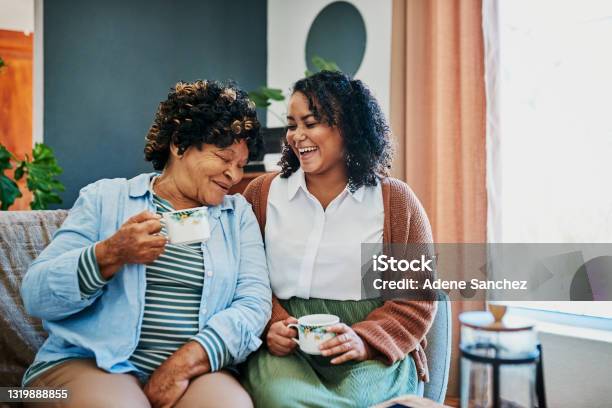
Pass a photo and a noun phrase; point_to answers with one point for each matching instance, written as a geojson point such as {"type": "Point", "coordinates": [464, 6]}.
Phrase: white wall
{"type": "Point", "coordinates": [576, 371]}
{"type": "Point", "coordinates": [17, 15]}
{"type": "Point", "coordinates": [577, 358]}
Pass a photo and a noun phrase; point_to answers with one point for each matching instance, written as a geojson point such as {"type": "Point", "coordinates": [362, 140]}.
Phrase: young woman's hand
{"type": "Point", "coordinates": [347, 345]}
{"type": "Point", "coordinates": [137, 241]}
{"type": "Point", "coordinates": [279, 338]}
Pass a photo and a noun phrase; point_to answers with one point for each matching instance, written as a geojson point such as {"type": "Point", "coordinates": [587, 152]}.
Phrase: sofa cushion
{"type": "Point", "coordinates": [23, 235]}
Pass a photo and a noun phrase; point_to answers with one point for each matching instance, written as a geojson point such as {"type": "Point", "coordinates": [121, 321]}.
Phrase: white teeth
{"type": "Point", "coordinates": [303, 150]}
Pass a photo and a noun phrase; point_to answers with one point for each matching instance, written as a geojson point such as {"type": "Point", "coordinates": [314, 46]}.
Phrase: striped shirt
{"type": "Point", "coordinates": [172, 303]}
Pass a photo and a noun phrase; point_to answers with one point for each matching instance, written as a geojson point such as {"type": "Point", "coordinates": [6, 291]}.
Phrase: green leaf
{"type": "Point", "coordinates": [2, 64]}
{"type": "Point", "coordinates": [322, 64]}
{"type": "Point", "coordinates": [273, 93]}
{"type": "Point", "coordinates": [41, 181]}
{"type": "Point", "coordinates": [262, 96]}
{"type": "Point", "coordinates": [5, 159]}
{"type": "Point", "coordinates": [43, 154]}
{"type": "Point", "coordinates": [37, 204]}
{"type": "Point", "coordinates": [259, 99]}
{"type": "Point", "coordinates": [20, 170]}
{"type": "Point", "coordinates": [56, 185]}
{"type": "Point", "coordinates": [42, 199]}
{"type": "Point", "coordinates": [9, 192]}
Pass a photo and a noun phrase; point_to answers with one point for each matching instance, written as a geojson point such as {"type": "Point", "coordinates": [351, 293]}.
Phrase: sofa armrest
{"type": "Point", "coordinates": [23, 235]}
{"type": "Point", "coordinates": [438, 351]}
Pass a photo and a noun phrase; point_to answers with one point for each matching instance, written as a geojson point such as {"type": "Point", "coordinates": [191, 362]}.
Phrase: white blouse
{"type": "Point", "coordinates": [313, 252]}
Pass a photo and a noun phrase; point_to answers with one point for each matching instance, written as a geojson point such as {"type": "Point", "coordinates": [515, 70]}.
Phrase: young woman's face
{"type": "Point", "coordinates": [318, 146]}
{"type": "Point", "coordinates": [206, 175]}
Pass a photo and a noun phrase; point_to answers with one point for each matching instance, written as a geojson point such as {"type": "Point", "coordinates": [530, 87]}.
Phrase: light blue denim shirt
{"type": "Point", "coordinates": [236, 299]}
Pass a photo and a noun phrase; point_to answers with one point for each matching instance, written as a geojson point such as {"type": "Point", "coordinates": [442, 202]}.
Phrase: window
{"type": "Point", "coordinates": [549, 132]}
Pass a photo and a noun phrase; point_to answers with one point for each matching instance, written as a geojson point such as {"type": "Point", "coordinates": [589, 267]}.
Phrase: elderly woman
{"type": "Point", "coordinates": [332, 195]}
{"type": "Point", "coordinates": [123, 306]}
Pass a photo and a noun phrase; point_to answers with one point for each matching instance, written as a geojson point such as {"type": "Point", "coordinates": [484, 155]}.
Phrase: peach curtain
{"type": "Point", "coordinates": [438, 121]}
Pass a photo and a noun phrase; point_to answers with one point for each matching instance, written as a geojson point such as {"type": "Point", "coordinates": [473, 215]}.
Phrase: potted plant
{"type": "Point", "coordinates": [39, 171]}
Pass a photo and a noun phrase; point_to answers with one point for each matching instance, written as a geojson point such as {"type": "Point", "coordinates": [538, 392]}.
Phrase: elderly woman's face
{"type": "Point", "coordinates": [318, 146]}
{"type": "Point", "coordinates": [206, 175]}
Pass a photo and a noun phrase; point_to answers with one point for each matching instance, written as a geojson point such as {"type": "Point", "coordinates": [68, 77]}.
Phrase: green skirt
{"type": "Point", "coordinates": [303, 380]}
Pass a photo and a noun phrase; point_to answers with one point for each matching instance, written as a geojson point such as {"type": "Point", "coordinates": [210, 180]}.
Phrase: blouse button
{"type": "Point", "coordinates": [209, 273]}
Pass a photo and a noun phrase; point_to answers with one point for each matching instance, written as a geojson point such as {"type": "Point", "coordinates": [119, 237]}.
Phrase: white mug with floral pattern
{"type": "Point", "coordinates": [312, 331]}
{"type": "Point", "coordinates": [187, 226]}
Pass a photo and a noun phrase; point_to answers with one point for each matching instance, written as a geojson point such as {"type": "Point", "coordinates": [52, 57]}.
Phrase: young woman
{"type": "Point", "coordinates": [333, 194]}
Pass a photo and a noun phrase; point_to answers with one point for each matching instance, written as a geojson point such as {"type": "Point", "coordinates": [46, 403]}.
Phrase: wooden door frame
{"type": "Point", "coordinates": [38, 85]}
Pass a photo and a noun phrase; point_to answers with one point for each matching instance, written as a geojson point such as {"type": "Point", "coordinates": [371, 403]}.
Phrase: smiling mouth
{"type": "Point", "coordinates": [308, 149]}
{"type": "Point", "coordinates": [223, 186]}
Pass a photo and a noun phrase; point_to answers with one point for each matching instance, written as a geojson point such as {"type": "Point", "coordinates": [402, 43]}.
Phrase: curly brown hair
{"type": "Point", "coordinates": [201, 112]}
{"type": "Point", "coordinates": [338, 100]}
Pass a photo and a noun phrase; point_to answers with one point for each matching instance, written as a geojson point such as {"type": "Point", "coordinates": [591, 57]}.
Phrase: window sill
{"type": "Point", "coordinates": [567, 325]}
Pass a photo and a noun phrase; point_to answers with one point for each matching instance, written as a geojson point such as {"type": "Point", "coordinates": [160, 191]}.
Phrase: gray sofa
{"type": "Point", "coordinates": [24, 234]}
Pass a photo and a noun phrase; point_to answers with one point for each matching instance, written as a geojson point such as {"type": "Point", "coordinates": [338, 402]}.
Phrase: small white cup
{"type": "Point", "coordinates": [187, 226]}
{"type": "Point", "coordinates": [312, 331]}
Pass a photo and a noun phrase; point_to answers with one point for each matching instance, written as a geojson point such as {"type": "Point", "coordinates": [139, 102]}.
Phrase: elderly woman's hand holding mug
{"type": "Point", "coordinates": [137, 241]}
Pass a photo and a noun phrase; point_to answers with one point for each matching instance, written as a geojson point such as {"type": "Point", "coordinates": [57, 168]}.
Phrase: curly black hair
{"type": "Point", "coordinates": [201, 112]}
{"type": "Point", "coordinates": [337, 100]}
